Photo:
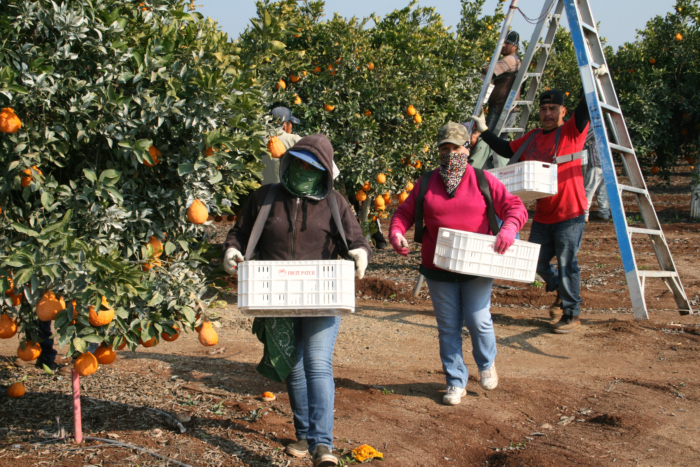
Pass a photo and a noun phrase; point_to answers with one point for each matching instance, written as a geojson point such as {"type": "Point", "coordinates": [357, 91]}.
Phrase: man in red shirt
{"type": "Point", "coordinates": [559, 220]}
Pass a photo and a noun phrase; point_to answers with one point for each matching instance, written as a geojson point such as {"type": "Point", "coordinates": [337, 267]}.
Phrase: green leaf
{"type": "Point", "coordinates": [18, 89]}
{"type": "Point", "coordinates": [79, 345]}
{"type": "Point", "coordinates": [170, 248]}
{"type": "Point", "coordinates": [184, 169]}
{"type": "Point", "coordinates": [155, 300]}
{"type": "Point", "coordinates": [110, 177]}
{"type": "Point", "coordinates": [90, 174]}
{"type": "Point", "coordinates": [25, 230]}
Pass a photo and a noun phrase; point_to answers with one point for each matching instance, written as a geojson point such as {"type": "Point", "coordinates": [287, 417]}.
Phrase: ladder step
{"type": "Point", "coordinates": [513, 130]}
{"type": "Point", "coordinates": [643, 273]}
{"type": "Point", "coordinates": [519, 103]}
{"type": "Point", "coordinates": [589, 27]}
{"type": "Point", "coordinates": [532, 75]}
{"type": "Point", "coordinates": [610, 108]}
{"type": "Point", "coordinates": [639, 230]}
{"type": "Point", "coordinates": [618, 148]}
{"type": "Point", "coordinates": [633, 189]}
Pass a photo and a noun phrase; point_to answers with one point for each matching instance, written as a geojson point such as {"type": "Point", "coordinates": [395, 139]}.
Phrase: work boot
{"type": "Point", "coordinates": [453, 395]}
{"type": "Point", "coordinates": [323, 457]}
{"type": "Point", "coordinates": [298, 449]}
{"type": "Point", "coordinates": [567, 324]}
{"type": "Point", "coordinates": [19, 363]}
{"type": "Point", "coordinates": [489, 378]}
{"type": "Point", "coordinates": [65, 370]}
{"type": "Point", "coordinates": [555, 310]}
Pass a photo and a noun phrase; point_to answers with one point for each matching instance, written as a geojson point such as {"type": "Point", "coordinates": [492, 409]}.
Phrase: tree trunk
{"type": "Point", "coordinates": [695, 191]}
{"type": "Point", "coordinates": [364, 212]}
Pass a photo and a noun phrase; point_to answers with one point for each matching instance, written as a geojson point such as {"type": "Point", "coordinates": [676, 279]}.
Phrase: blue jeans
{"type": "Point", "coordinates": [48, 353]}
{"type": "Point", "coordinates": [457, 304]}
{"type": "Point", "coordinates": [310, 384]}
{"type": "Point", "coordinates": [562, 239]}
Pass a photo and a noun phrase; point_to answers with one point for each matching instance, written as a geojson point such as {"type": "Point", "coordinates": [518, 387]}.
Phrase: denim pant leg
{"type": "Point", "coordinates": [542, 234]}
{"type": "Point", "coordinates": [449, 317]}
{"type": "Point", "coordinates": [48, 353]}
{"type": "Point", "coordinates": [310, 384]}
{"type": "Point", "coordinates": [568, 237]}
{"type": "Point", "coordinates": [476, 308]}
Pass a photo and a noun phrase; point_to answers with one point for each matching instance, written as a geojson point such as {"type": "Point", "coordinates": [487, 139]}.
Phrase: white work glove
{"type": "Point", "coordinates": [359, 256]}
{"type": "Point", "coordinates": [231, 257]}
{"type": "Point", "coordinates": [480, 123]}
{"type": "Point", "coordinates": [600, 71]}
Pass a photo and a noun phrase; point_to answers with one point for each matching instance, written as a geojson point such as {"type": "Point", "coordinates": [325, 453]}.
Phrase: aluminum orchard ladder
{"type": "Point", "coordinates": [611, 136]}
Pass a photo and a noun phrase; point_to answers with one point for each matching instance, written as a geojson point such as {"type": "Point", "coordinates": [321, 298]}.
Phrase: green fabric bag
{"type": "Point", "coordinates": [280, 354]}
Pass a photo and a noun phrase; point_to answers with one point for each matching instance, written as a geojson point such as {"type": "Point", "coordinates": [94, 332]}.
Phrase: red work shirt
{"type": "Point", "coordinates": [570, 200]}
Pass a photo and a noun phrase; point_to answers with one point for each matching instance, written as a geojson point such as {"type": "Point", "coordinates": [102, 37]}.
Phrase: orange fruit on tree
{"type": "Point", "coordinates": [417, 118]}
{"type": "Point", "coordinates": [567, 93]}
{"type": "Point", "coordinates": [122, 345]}
{"type": "Point", "coordinates": [156, 246]}
{"type": "Point", "coordinates": [427, 148]}
{"type": "Point", "coordinates": [361, 196]}
{"type": "Point", "coordinates": [49, 306]}
{"type": "Point", "coordinates": [317, 69]}
{"type": "Point", "coordinates": [197, 213]}
{"type": "Point", "coordinates": [75, 311]}
{"type": "Point", "coordinates": [105, 355]}
{"type": "Point", "coordinates": [31, 351]}
{"type": "Point", "coordinates": [28, 178]}
{"type": "Point", "coordinates": [171, 337]}
{"type": "Point", "coordinates": [328, 107]}
{"type": "Point", "coordinates": [387, 198]}
{"type": "Point", "coordinates": [102, 317]}
{"type": "Point", "coordinates": [652, 60]}
{"type": "Point", "coordinates": [367, 186]}
{"type": "Point", "coordinates": [8, 327]}
{"type": "Point", "coordinates": [332, 73]}
{"type": "Point", "coordinates": [297, 99]}
{"type": "Point", "coordinates": [85, 364]}
{"type": "Point", "coordinates": [417, 164]}
{"type": "Point", "coordinates": [156, 263]}
{"type": "Point", "coordinates": [330, 67]}
{"type": "Point", "coordinates": [381, 179]}
{"type": "Point", "coordinates": [196, 318]}
{"type": "Point", "coordinates": [370, 66]}
{"type": "Point", "coordinates": [411, 111]}
{"type": "Point", "coordinates": [276, 147]}
{"type": "Point", "coordinates": [679, 37]}
{"type": "Point", "coordinates": [402, 197]}
{"type": "Point", "coordinates": [655, 170]}
{"type": "Point", "coordinates": [368, 113]}
{"type": "Point", "coordinates": [15, 297]}
{"type": "Point", "coordinates": [294, 78]}
{"type": "Point", "coordinates": [280, 85]}
{"type": "Point", "coordinates": [378, 201]}
{"type": "Point", "coordinates": [208, 335]}
{"type": "Point", "coordinates": [155, 153]}
{"type": "Point", "coordinates": [16, 390]}
{"type": "Point", "coordinates": [9, 121]}
{"type": "Point", "coordinates": [149, 343]}
{"type": "Point", "coordinates": [409, 186]}
{"type": "Point", "coordinates": [209, 151]}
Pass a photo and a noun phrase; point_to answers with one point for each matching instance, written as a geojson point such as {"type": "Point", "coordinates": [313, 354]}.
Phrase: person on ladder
{"type": "Point", "coordinates": [559, 220]}
{"type": "Point", "coordinates": [594, 181]}
{"type": "Point", "coordinates": [504, 75]}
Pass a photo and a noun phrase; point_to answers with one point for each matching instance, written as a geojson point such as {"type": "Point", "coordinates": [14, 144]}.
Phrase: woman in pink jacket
{"type": "Point", "coordinates": [453, 200]}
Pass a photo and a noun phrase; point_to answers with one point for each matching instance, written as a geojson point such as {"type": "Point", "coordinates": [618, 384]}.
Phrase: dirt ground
{"type": "Point", "coordinates": [618, 391]}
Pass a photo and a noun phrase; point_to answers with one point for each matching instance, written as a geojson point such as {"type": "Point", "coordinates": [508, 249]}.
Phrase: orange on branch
{"type": "Point", "coordinates": [8, 326]}
{"type": "Point", "coordinates": [197, 213]}
{"type": "Point", "coordinates": [85, 364]}
{"type": "Point", "coordinates": [105, 355]}
{"type": "Point", "coordinates": [9, 121]}
{"type": "Point", "coordinates": [381, 179]}
{"type": "Point", "coordinates": [102, 317]}
{"type": "Point", "coordinates": [49, 306]}
{"type": "Point", "coordinates": [31, 351]}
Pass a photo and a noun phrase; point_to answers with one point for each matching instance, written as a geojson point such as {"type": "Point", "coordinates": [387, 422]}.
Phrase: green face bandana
{"type": "Point", "coordinates": [302, 182]}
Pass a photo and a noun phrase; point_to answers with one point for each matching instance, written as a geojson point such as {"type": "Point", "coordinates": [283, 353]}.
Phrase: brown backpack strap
{"type": "Point", "coordinates": [418, 213]}
{"type": "Point", "coordinates": [486, 193]}
{"type": "Point", "coordinates": [260, 220]}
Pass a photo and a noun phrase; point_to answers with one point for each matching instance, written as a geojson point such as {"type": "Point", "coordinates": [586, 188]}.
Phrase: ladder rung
{"type": "Point", "coordinates": [633, 189]}
{"type": "Point", "coordinates": [532, 75]}
{"type": "Point", "coordinates": [639, 230]}
{"type": "Point", "coordinates": [618, 148]}
{"type": "Point", "coordinates": [589, 27]}
{"type": "Point", "coordinates": [513, 130]}
{"type": "Point", "coordinates": [527, 103]}
{"type": "Point", "coordinates": [610, 108]}
{"type": "Point", "coordinates": [642, 273]}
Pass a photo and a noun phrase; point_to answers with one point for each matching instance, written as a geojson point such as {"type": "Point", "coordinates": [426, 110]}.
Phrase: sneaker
{"type": "Point", "coordinates": [298, 449]}
{"type": "Point", "coordinates": [453, 395]}
{"type": "Point", "coordinates": [597, 216]}
{"type": "Point", "coordinates": [489, 378]}
{"type": "Point", "coordinates": [380, 245]}
{"type": "Point", "coordinates": [556, 311]}
{"type": "Point", "coordinates": [567, 324]}
{"type": "Point", "coordinates": [323, 457]}
{"type": "Point", "coordinates": [18, 362]}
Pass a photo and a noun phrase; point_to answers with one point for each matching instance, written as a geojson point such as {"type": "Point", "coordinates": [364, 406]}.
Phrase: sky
{"type": "Point", "coordinates": [619, 19]}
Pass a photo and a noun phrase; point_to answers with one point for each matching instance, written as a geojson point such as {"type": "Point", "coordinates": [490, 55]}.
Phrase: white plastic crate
{"type": "Point", "coordinates": [277, 289]}
{"type": "Point", "coordinates": [528, 180]}
{"type": "Point", "coordinates": [472, 253]}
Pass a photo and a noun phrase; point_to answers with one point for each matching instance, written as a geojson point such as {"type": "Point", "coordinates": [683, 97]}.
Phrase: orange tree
{"type": "Point", "coordinates": [138, 120]}
{"type": "Point", "coordinates": [379, 88]}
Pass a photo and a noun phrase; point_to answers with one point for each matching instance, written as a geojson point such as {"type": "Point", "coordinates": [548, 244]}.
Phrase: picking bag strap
{"type": "Point", "coordinates": [557, 136]}
{"type": "Point", "coordinates": [418, 212]}
{"type": "Point", "coordinates": [260, 220]}
{"type": "Point", "coordinates": [486, 193]}
{"type": "Point", "coordinates": [518, 154]}
{"type": "Point", "coordinates": [335, 212]}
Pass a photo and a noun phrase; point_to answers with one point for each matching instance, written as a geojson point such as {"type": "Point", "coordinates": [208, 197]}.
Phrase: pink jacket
{"type": "Point", "coordinates": [466, 211]}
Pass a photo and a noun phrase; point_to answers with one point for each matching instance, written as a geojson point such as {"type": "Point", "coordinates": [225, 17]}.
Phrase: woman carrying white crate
{"type": "Point", "coordinates": [300, 224]}
{"type": "Point", "coordinates": [454, 200]}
